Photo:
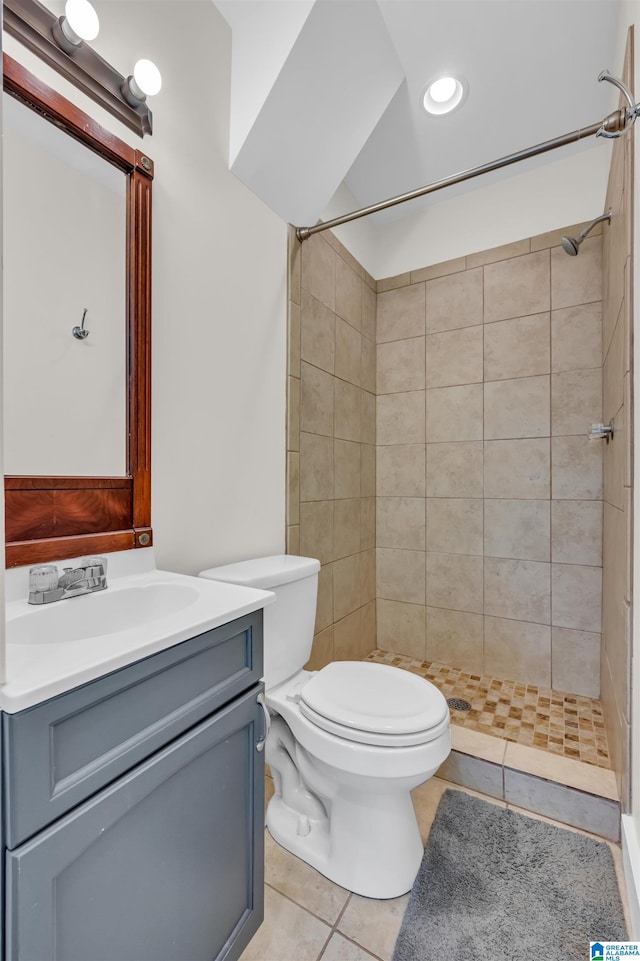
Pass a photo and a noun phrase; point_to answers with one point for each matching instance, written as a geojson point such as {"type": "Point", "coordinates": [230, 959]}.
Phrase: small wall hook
{"type": "Point", "coordinates": [80, 332]}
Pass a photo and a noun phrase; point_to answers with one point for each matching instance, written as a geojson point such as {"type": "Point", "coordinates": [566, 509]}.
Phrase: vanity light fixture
{"type": "Point", "coordinates": [145, 82]}
{"type": "Point", "coordinates": [79, 23]}
{"type": "Point", "coordinates": [62, 44]}
{"type": "Point", "coordinates": [443, 95]}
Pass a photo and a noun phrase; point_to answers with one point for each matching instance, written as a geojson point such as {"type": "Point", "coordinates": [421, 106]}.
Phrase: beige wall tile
{"type": "Point", "coordinates": [577, 594]}
{"type": "Point", "coordinates": [455, 413]}
{"type": "Point", "coordinates": [400, 575]}
{"type": "Point", "coordinates": [438, 270]}
{"type": "Point", "coordinates": [576, 401]}
{"type": "Point", "coordinates": [400, 471]}
{"type": "Point", "coordinates": [400, 522]}
{"type": "Point", "coordinates": [577, 280]}
{"type": "Point", "coordinates": [324, 606]}
{"type": "Point", "coordinates": [316, 401]}
{"type": "Point", "coordinates": [293, 488]}
{"type": "Point", "coordinates": [454, 357]}
{"type": "Point", "coordinates": [367, 470]}
{"type": "Point", "coordinates": [576, 468]}
{"type": "Point", "coordinates": [346, 586]}
{"type": "Point", "coordinates": [348, 294]}
{"type": "Point", "coordinates": [392, 283]}
{"type": "Point", "coordinates": [367, 417]}
{"type": "Point", "coordinates": [575, 662]}
{"type": "Point", "coordinates": [400, 313]}
{"type": "Point", "coordinates": [347, 638]}
{"type": "Point", "coordinates": [293, 339]}
{"type": "Point", "coordinates": [348, 353]}
{"type": "Point", "coordinates": [316, 467]}
{"type": "Point", "coordinates": [400, 418]}
{"type": "Point", "coordinates": [517, 287]}
{"type": "Point", "coordinates": [518, 529]}
{"type": "Point", "coordinates": [455, 470]}
{"type": "Point", "coordinates": [400, 366]}
{"type": "Point", "coordinates": [346, 456]}
{"type": "Point", "coordinates": [368, 361]}
{"type": "Point", "coordinates": [347, 411]}
{"type": "Point", "coordinates": [518, 590]}
{"type": "Point", "coordinates": [368, 576]}
{"type": "Point", "coordinates": [367, 522]}
{"type": "Point", "coordinates": [614, 462]}
{"type": "Point", "coordinates": [322, 650]}
{"type": "Point", "coordinates": [576, 532]}
{"type": "Point", "coordinates": [455, 638]}
{"type": "Point", "coordinates": [294, 262]}
{"type": "Point", "coordinates": [505, 252]}
{"type": "Point", "coordinates": [401, 628]}
{"type": "Point", "coordinates": [454, 526]}
{"type": "Point", "coordinates": [319, 270]}
{"type": "Point", "coordinates": [516, 408]}
{"type": "Point", "coordinates": [517, 469]}
{"type": "Point", "coordinates": [293, 539]}
{"type": "Point", "coordinates": [317, 333]}
{"type": "Point", "coordinates": [613, 374]}
{"type": "Point", "coordinates": [454, 301]}
{"type": "Point", "coordinates": [368, 628]}
{"type": "Point", "coordinates": [346, 527]}
{"type": "Point", "coordinates": [369, 299]}
{"type": "Point", "coordinates": [316, 530]}
{"type": "Point", "coordinates": [517, 348]}
{"type": "Point", "coordinates": [454, 581]}
{"type": "Point", "coordinates": [293, 413]}
{"type": "Point", "coordinates": [518, 650]}
{"type": "Point", "coordinates": [576, 337]}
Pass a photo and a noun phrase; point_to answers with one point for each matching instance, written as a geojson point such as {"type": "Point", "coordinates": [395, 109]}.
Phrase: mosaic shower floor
{"type": "Point", "coordinates": [554, 721]}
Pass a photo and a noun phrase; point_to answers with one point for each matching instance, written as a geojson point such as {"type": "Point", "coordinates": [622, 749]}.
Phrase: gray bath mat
{"type": "Point", "coordinates": [495, 885]}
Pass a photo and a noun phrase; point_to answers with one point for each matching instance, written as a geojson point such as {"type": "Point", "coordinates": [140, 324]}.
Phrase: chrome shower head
{"type": "Point", "coordinates": [571, 245]}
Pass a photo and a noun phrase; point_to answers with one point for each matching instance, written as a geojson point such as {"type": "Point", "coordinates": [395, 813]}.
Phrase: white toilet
{"type": "Point", "coordinates": [346, 745]}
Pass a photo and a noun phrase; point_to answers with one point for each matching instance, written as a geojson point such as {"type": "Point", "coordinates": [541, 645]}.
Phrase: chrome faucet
{"type": "Point", "coordinates": [48, 584]}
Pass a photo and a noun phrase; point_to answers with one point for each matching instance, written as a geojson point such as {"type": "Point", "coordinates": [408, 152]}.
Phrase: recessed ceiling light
{"type": "Point", "coordinates": [443, 95]}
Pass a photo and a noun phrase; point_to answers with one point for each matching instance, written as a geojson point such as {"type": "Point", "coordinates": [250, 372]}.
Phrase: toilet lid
{"type": "Point", "coordinates": [373, 703]}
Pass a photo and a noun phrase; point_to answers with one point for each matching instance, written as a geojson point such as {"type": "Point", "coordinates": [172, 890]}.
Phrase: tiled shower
{"type": "Point", "coordinates": [439, 466]}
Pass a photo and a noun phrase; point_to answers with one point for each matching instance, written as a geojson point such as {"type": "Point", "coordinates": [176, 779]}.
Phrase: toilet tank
{"type": "Point", "coordinates": [289, 622]}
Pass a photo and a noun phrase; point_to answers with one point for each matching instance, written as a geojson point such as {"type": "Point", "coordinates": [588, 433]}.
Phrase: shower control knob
{"type": "Point", "coordinates": [601, 432]}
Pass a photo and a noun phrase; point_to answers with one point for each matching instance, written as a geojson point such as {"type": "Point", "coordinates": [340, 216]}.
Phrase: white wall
{"type": "Point", "coordinates": [630, 14]}
{"type": "Point", "coordinates": [219, 293]}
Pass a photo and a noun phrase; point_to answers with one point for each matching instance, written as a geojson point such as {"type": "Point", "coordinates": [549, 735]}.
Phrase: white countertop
{"type": "Point", "coordinates": [42, 663]}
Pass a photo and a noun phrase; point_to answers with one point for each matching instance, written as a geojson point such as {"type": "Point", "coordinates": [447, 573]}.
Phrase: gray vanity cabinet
{"type": "Point", "coordinates": [165, 862]}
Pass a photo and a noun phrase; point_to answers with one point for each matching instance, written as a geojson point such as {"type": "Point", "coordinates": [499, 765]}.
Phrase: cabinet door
{"type": "Point", "coordinates": [164, 865]}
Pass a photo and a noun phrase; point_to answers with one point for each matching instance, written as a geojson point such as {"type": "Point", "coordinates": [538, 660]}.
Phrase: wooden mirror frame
{"type": "Point", "coordinates": [52, 518]}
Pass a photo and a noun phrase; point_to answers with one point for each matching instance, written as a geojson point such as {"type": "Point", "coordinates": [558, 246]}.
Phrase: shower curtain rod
{"type": "Point", "coordinates": [611, 127]}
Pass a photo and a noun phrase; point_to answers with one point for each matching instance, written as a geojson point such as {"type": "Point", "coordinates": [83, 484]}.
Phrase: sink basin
{"type": "Point", "coordinates": [94, 615]}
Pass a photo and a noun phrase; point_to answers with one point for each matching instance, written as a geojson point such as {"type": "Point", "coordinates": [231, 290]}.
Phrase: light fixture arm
{"type": "Point", "coordinates": [629, 115]}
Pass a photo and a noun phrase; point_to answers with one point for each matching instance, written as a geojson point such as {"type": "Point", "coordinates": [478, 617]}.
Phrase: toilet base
{"type": "Point", "coordinates": [373, 849]}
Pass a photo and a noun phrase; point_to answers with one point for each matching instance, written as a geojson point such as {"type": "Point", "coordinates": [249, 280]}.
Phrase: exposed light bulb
{"type": "Point", "coordinates": [82, 19]}
{"type": "Point", "coordinates": [147, 77]}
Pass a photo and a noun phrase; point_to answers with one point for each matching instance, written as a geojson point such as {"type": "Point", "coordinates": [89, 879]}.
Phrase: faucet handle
{"type": "Point", "coordinates": [91, 563]}
{"type": "Point", "coordinates": [43, 577]}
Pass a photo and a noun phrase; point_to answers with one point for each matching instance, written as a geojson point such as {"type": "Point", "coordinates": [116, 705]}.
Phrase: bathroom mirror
{"type": "Point", "coordinates": [77, 248]}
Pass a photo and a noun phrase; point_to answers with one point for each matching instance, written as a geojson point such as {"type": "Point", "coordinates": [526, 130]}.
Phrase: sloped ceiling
{"type": "Point", "coordinates": [336, 91]}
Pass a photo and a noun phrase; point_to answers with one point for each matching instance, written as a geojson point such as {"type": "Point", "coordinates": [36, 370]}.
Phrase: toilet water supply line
{"type": "Point", "coordinates": [617, 123]}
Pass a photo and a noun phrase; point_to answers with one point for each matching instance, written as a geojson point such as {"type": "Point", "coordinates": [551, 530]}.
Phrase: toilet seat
{"type": "Point", "coordinates": [373, 704]}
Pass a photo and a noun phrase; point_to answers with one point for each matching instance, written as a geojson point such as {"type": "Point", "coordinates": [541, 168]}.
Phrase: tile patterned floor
{"type": "Point", "coordinates": [554, 721]}
{"type": "Point", "coordinates": [308, 918]}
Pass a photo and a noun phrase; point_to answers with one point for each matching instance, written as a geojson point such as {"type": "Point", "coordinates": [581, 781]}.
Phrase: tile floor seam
{"type": "Point", "coordinates": [302, 906]}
